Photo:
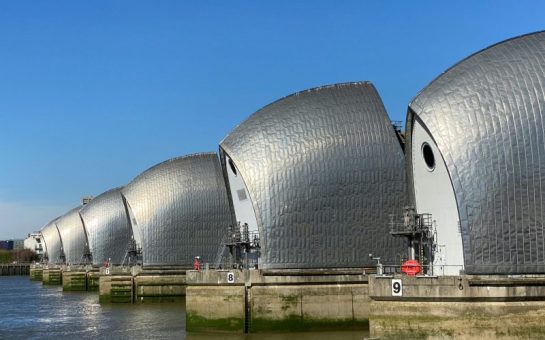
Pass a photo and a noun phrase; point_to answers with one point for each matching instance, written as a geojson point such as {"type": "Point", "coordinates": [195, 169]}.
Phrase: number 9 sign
{"type": "Point", "coordinates": [230, 277]}
{"type": "Point", "coordinates": [397, 287]}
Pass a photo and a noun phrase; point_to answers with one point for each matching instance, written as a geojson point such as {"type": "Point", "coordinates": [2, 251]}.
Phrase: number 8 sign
{"type": "Point", "coordinates": [230, 277]}
{"type": "Point", "coordinates": [397, 287]}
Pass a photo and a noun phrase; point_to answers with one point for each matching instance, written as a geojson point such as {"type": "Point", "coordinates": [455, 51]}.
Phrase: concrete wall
{"type": "Point", "coordinates": [93, 280]}
{"type": "Point", "coordinates": [459, 288]}
{"type": "Point", "coordinates": [52, 276]}
{"type": "Point", "coordinates": [458, 307]}
{"type": "Point", "coordinates": [257, 303]}
{"type": "Point", "coordinates": [74, 280]}
{"type": "Point", "coordinates": [116, 289]}
{"type": "Point", "coordinates": [36, 273]}
{"type": "Point", "coordinates": [459, 320]}
{"type": "Point", "coordinates": [210, 308]}
{"type": "Point", "coordinates": [134, 285]}
{"type": "Point", "coordinates": [160, 288]}
{"type": "Point", "coordinates": [308, 307]}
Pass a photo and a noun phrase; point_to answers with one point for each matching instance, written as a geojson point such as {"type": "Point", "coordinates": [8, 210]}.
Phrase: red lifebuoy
{"type": "Point", "coordinates": [411, 267]}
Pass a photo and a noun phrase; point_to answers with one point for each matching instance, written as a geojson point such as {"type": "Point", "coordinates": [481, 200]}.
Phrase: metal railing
{"type": "Point", "coordinates": [426, 270]}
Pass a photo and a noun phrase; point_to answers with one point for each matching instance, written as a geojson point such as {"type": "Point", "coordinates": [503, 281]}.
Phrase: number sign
{"type": "Point", "coordinates": [230, 277]}
{"type": "Point", "coordinates": [397, 287]}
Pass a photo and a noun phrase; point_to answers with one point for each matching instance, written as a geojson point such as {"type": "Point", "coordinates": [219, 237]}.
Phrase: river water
{"type": "Point", "coordinates": [29, 310]}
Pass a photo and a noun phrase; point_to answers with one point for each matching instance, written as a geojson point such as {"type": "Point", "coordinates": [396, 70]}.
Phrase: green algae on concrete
{"type": "Point", "coordinates": [52, 276]}
{"type": "Point", "coordinates": [74, 281]}
{"type": "Point", "coordinates": [295, 323]}
{"type": "Point", "coordinates": [116, 289]}
{"type": "Point", "coordinates": [93, 279]}
{"type": "Point", "coordinates": [159, 299]}
{"type": "Point", "coordinates": [478, 319]}
{"type": "Point", "coordinates": [36, 274]}
{"type": "Point", "coordinates": [196, 323]}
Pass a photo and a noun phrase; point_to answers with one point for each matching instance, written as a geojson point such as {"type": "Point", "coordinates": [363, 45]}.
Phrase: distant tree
{"type": "Point", "coordinates": [19, 255]}
{"type": "Point", "coordinates": [5, 256]}
{"type": "Point", "coordinates": [24, 255]}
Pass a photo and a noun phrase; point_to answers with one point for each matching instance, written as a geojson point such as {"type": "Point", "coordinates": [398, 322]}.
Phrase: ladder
{"type": "Point", "coordinates": [221, 250]}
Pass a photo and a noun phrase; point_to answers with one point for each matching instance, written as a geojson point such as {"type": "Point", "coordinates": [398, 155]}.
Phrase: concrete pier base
{"type": "Point", "coordinates": [160, 287]}
{"type": "Point", "coordinates": [52, 276]}
{"type": "Point", "coordinates": [93, 277]}
{"type": "Point", "coordinates": [137, 285]}
{"type": "Point", "coordinates": [36, 272]}
{"type": "Point", "coordinates": [457, 320]}
{"type": "Point", "coordinates": [215, 308]}
{"type": "Point", "coordinates": [479, 307]}
{"type": "Point", "coordinates": [249, 301]}
{"type": "Point", "coordinates": [74, 280]}
{"type": "Point", "coordinates": [116, 288]}
{"type": "Point", "coordinates": [80, 279]}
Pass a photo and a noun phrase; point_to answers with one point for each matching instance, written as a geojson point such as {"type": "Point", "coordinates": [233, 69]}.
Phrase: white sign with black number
{"type": "Point", "coordinates": [230, 277]}
{"type": "Point", "coordinates": [397, 287]}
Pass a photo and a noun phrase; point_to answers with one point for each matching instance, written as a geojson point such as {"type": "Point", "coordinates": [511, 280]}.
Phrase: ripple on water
{"type": "Point", "coordinates": [29, 310]}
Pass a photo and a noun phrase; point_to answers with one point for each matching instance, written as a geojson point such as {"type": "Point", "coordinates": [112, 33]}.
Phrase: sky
{"type": "Point", "coordinates": [92, 93]}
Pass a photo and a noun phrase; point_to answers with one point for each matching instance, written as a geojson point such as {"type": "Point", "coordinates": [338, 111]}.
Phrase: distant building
{"type": "Point", "coordinates": [34, 242]}
{"type": "Point", "coordinates": [18, 244]}
{"type": "Point", "coordinates": [6, 245]}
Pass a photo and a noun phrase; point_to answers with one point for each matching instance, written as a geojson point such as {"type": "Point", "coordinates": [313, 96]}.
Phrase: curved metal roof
{"type": "Point", "coordinates": [74, 239]}
{"type": "Point", "coordinates": [324, 170]}
{"type": "Point", "coordinates": [107, 226]}
{"type": "Point", "coordinates": [52, 242]}
{"type": "Point", "coordinates": [487, 117]}
{"type": "Point", "coordinates": [179, 210]}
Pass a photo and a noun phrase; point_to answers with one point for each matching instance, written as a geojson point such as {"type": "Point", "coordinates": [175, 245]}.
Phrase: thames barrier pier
{"type": "Point", "coordinates": [80, 278]}
{"type": "Point", "coordinates": [459, 306]}
{"type": "Point", "coordinates": [36, 272]}
{"type": "Point", "coordinates": [52, 275]}
{"type": "Point", "coordinates": [254, 301]}
{"type": "Point", "coordinates": [136, 285]}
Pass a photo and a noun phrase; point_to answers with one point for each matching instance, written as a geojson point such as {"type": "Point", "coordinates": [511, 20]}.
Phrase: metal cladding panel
{"type": "Point", "coordinates": [487, 117]}
{"type": "Point", "coordinates": [52, 242]}
{"type": "Point", "coordinates": [107, 226]}
{"type": "Point", "coordinates": [324, 170]}
{"type": "Point", "coordinates": [181, 210]}
{"type": "Point", "coordinates": [74, 240]}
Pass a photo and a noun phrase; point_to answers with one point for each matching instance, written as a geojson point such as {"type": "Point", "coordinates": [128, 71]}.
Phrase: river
{"type": "Point", "coordinates": [29, 310]}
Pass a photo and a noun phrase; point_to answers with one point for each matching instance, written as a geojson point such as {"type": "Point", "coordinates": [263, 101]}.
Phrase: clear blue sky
{"type": "Point", "coordinates": [94, 92]}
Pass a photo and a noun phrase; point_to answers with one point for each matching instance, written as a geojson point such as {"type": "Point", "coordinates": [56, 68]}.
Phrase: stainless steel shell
{"type": "Point", "coordinates": [52, 243]}
{"type": "Point", "coordinates": [324, 170]}
{"type": "Point", "coordinates": [107, 226]}
{"type": "Point", "coordinates": [74, 239]}
{"type": "Point", "coordinates": [179, 210]}
{"type": "Point", "coordinates": [487, 116]}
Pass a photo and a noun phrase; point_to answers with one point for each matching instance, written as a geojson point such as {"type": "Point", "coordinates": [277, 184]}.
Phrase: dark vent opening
{"type": "Point", "coordinates": [232, 166]}
{"type": "Point", "coordinates": [429, 158]}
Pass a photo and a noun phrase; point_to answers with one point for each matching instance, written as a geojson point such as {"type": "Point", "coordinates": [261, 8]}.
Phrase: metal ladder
{"type": "Point", "coordinates": [221, 250]}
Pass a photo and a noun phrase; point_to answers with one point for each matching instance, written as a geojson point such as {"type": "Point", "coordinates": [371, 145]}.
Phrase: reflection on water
{"type": "Point", "coordinates": [30, 310]}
